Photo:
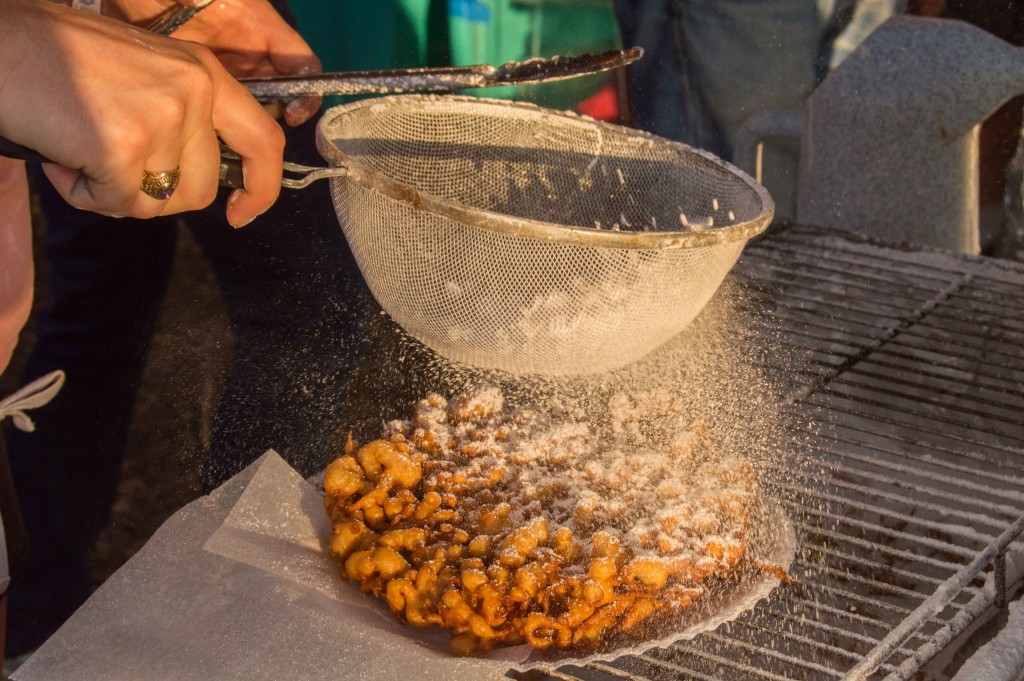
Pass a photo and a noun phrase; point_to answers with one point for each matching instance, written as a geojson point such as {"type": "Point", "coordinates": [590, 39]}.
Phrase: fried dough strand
{"type": "Point", "coordinates": [508, 528]}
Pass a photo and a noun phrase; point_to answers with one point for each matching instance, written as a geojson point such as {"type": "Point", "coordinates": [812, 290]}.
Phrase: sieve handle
{"type": "Point", "coordinates": [301, 176]}
{"type": "Point", "coordinates": [14, 150]}
{"type": "Point", "coordinates": [230, 167]}
{"type": "Point", "coordinates": [230, 162]}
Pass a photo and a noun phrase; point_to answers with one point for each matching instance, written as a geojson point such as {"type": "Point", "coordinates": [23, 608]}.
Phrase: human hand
{"type": "Point", "coordinates": [248, 36]}
{"type": "Point", "coordinates": [107, 102]}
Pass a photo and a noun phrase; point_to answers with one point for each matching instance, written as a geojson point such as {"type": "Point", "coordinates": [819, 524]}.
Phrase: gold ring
{"type": "Point", "coordinates": [160, 185]}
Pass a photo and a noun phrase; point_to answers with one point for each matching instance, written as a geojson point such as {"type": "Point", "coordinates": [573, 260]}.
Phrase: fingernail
{"type": "Point", "coordinates": [232, 200]}
{"type": "Point", "coordinates": [299, 111]}
{"type": "Point", "coordinates": [252, 218]}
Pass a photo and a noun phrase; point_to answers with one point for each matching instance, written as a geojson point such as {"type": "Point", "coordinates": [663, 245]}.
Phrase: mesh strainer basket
{"type": "Point", "coordinates": [508, 236]}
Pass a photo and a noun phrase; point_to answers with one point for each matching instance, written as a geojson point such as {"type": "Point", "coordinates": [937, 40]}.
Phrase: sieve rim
{"type": "Point", "coordinates": [526, 227]}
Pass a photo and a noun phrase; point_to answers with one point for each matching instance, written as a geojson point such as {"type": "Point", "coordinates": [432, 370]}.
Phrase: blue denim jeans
{"type": "Point", "coordinates": [711, 64]}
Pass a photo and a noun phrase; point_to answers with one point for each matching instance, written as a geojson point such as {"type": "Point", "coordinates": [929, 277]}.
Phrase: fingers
{"type": "Point", "coordinates": [198, 164]}
{"type": "Point", "coordinates": [274, 109]}
{"type": "Point", "coordinates": [252, 40]}
{"type": "Point", "coordinates": [73, 187]}
{"type": "Point", "coordinates": [290, 55]}
{"type": "Point", "coordinates": [113, 189]}
{"type": "Point", "coordinates": [245, 127]}
{"type": "Point", "coordinates": [182, 139]}
{"type": "Point", "coordinates": [199, 167]}
{"type": "Point", "coordinates": [295, 112]}
{"type": "Point", "coordinates": [188, 142]}
{"type": "Point", "coordinates": [301, 110]}
{"type": "Point", "coordinates": [148, 104]}
{"type": "Point", "coordinates": [164, 156]}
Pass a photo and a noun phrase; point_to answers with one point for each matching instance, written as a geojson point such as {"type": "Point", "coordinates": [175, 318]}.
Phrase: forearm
{"type": "Point", "coordinates": [19, 29]}
{"type": "Point", "coordinates": [15, 225]}
{"type": "Point", "coordinates": [15, 35]}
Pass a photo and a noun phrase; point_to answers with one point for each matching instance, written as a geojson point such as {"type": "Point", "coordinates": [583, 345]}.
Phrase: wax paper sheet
{"type": "Point", "coordinates": [176, 612]}
{"type": "Point", "coordinates": [278, 526]}
{"type": "Point", "coordinates": [276, 608]}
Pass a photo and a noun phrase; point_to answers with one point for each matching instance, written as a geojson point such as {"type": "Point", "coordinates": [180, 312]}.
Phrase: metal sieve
{"type": "Point", "coordinates": [512, 237]}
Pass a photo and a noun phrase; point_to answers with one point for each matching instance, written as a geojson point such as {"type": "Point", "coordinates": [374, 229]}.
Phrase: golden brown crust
{"type": "Point", "coordinates": [508, 528]}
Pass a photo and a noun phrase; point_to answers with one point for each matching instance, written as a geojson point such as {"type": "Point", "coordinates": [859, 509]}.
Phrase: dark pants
{"type": "Point", "coordinates": [711, 64]}
{"type": "Point", "coordinates": [14, 528]}
{"type": "Point", "coordinates": [297, 306]}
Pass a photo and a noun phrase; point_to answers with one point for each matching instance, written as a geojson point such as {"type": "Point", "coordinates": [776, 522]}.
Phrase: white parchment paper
{"type": "Point", "coordinates": [236, 586]}
{"type": "Point", "coordinates": [278, 525]}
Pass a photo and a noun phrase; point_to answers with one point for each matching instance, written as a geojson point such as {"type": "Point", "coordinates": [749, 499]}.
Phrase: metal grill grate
{"type": "Point", "coordinates": [912, 380]}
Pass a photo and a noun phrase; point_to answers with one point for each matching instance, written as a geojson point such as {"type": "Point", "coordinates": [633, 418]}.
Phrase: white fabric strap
{"type": "Point", "coordinates": [35, 394]}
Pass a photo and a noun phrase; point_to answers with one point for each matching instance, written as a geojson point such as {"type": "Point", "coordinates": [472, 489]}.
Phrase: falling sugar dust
{"type": "Point", "coordinates": [710, 373]}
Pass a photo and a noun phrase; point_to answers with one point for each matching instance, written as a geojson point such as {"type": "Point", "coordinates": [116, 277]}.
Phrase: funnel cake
{"type": "Point", "coordinates": [513, 526]}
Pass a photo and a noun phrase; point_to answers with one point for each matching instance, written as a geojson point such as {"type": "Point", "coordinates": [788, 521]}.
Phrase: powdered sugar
{"type": "Point", "coordinates": [642, 471]}
{"type": "Point", "coordinates": [1002, 658]}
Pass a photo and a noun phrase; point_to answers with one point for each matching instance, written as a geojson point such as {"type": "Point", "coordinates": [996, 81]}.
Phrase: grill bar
{"type": "Point", "coordinates": [874, 566]}
{"type": "Point", "coordinates": [857, 618]}
{"type": "Point", "coordinates": [806, 664]}
{"type": "Point", "coordinates": [901, 376]}
{"type": "Point", "coordinates": [810, 642]}
{"type": "Point", "coordinates": [617, 673]}
{"type": "Point", "coordinates": [866, 491]}
{"type": "Point", "coordinates": [884, 454]}
{"type": "Point", "coordinates": [880, 398]}
{"type": "Point", "coordinates": [966, 533]}
{"type": "Point", "coordinates": [881, 459]}
{"type": "Point", "coordinates": [891, 534]}
{"type": "Point", "coordinates": [836, 632]}
{"type": "Point", "coordinates": [876, 379]}
{"type": "Point", "coordinates": [956, 437]}
{"type": "Point", "coordinates": [980, 405]}
{"type": "Point", "coordinates": [850, 597]}
{"type": "Point", "coordinates": [690, 673]}
{"type": "Point", "coordinates": [889, 358]}
{"type": "Point", "coordinates": [873, 584]}
{"type": "Point", "coordinates": [934, 604]}
{"type": "Point", "coordinates": [746, 668]}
